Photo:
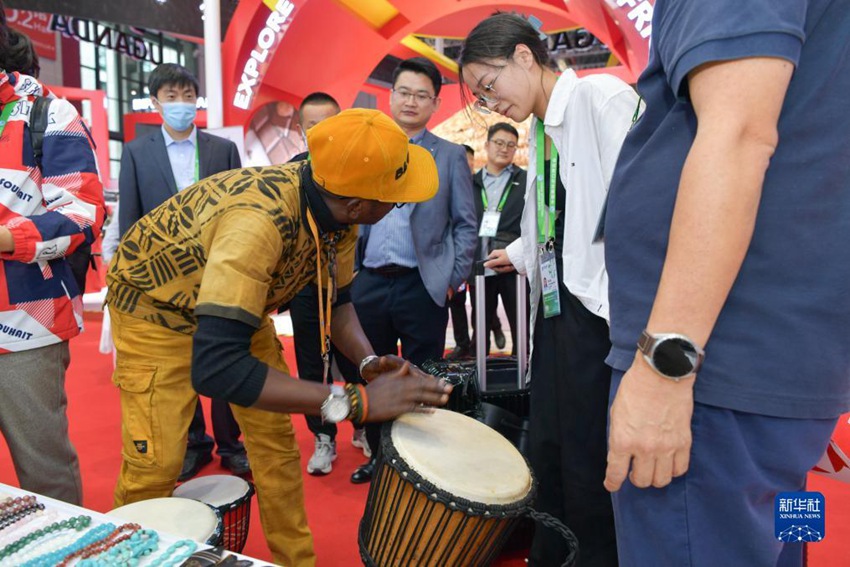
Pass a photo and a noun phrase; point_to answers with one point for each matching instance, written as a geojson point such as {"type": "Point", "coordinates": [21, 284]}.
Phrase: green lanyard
{"type": "Point", "coordinates": [505, 192]}
{"type": "Point", "coordinates": [545, 231]}
{"type": "Point", "coordinates": [7, 112]}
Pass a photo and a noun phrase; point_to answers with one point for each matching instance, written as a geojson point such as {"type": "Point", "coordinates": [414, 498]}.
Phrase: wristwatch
{"type": "Point", "coordinates": [671, 355]}
{"type": "Point", "coordinates": [336, 406]}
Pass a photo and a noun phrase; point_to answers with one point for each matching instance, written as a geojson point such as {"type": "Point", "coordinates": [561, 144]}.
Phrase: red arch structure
{"type": "Point", "coordinates": [282, 50]}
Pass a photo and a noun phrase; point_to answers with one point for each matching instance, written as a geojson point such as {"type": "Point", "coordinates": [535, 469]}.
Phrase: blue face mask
{"type": "Point", "coordinates": [179, 115]}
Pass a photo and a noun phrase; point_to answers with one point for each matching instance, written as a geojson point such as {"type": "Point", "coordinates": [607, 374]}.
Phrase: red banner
{"type": "Point", "coordinates": [37, 27]}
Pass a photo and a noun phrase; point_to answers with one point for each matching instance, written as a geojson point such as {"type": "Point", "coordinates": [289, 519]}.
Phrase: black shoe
{"type": "Point", "coordinates": [193, 462]}
{"type": "Point", "coordinates": [499, 337]}
{"type": "Point", "coordinates": [364, 472]}
{"type": "Point", "coordinates": [459, 353]}
{"type": "Point", "coordinates": [237, 464]}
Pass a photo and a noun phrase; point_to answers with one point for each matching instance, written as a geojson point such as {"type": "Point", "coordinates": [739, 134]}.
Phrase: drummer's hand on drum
{"type": "Point", "coordinates": [404, 389]}
{"type": "Point", "coordinates": [388, 363]}
{"type": "Point", "coordinates": [498, 261]}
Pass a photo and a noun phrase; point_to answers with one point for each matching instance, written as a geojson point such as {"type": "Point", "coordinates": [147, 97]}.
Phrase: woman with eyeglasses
{"type": "Point", "coordinates": [578, 129]}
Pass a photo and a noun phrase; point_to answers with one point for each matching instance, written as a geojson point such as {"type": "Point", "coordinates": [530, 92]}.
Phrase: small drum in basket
{"type": "Point", "coordinates": [465, 397]}
{"type": "Point", "coordinates": [448, 491]}
{"type": "Point", "coordinates": [231, 497]}
{"type": "Point", "coordinates": [179, 517]}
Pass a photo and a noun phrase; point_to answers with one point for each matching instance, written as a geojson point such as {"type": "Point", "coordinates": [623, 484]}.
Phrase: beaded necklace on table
{"type": "Point", "coordinates": [127, 552]}
{"type": "Point", "coordinates": [77, 523]}
{"type": "Point", "coordinates": [9, 534]}
{"type": "Point", "coordinates": [10, 502]}
{"type": "Point", "coordinates": [36, 521]}
{"type": "Point", "coordinates": [13, 519]}
{"type": "Point", "coordinates": [54, 552]}
{"type": "Point", "coordinates": [113, 539]}
{"type": "Point", "coordinates": [165, 560]}
{"type": "Point", "coordinates": [13, 508]}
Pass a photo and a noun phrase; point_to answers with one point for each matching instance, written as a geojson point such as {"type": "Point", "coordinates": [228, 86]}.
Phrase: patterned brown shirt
{"type": "Point", "coordinates": [234, 245]}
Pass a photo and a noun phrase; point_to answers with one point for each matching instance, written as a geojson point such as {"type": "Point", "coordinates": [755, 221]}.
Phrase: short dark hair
{"type": "Point", "coordinates": [19, 54]}
{"type": "Point", "coordinates": [317, 97]}
{"type": "Point", "coordinates": [468, 149]}
{"type": "Point", "coordinates": [171, 74]}
{"type": "Point", "coordinates": [423, 67]}
{"type": "Point", "coordinates": [501, 127]}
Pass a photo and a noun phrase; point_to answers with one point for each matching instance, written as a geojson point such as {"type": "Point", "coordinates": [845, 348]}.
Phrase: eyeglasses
{"type": "Point", "coordinates": [501, 144]}
{"type": "Point", "coordinates": [406, 95]}
{"type": "Point", "coordinates": [483, 102]}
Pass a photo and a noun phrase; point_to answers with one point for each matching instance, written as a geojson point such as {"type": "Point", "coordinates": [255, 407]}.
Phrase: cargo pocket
{"type": "Point", "coordinates": [137, 413]}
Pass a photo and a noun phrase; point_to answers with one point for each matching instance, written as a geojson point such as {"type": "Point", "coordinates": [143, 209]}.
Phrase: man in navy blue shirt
{"type": "Point", "coordinates": [726, 236]}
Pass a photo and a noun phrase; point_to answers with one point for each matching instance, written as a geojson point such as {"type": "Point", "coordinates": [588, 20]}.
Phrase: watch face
{"type": "Point", "coordinates": [336, 410]}
{"type": "Point", "coordinates": [675, 357]}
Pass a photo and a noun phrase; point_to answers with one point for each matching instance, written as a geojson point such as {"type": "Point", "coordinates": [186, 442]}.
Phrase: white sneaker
{"type": "Point", "coordinates": [359, 440]}
{"type": "Point", "coordinates": [323, 456]}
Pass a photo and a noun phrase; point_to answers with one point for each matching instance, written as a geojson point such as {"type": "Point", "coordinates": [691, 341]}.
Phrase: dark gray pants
{"type": "Point", "coordinates": [34, 422]}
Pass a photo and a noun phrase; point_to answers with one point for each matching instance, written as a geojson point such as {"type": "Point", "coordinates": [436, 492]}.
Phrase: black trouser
{"type": "Point", "coordinates": [504, 285]}
{"type": "Point", "coordinates": [567, 433]}
{"type": "Point", "coordinates": [460, 322]}
{"type": "Point", "coordinates": [304, 311]}
{"type": "Point", "coordinates": [392, 309]}
{"type": "Point", "coordinates": [225, 430]}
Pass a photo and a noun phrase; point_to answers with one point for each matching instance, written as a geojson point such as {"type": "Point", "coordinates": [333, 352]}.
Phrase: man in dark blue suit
{"type": "Point", "coordinates": [154, 168]}
{"type": "Point", "coordinates": [418, 256]}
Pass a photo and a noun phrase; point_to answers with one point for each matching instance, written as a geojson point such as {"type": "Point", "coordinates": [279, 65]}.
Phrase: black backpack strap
{"type": "Point", "coordinates": [38, 126]}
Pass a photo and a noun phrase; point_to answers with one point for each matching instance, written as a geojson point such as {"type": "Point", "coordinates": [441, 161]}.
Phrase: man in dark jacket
{"type": "Point", "coordinates": [499, 196]}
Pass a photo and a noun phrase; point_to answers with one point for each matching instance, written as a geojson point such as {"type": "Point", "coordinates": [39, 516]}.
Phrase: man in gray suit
{"type": "Point", "coordinates": [415, 259]}
{"type": "Point", "coordinates": [154, 167]}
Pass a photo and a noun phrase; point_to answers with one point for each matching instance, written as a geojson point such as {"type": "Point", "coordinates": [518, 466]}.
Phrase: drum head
{"type": "Point", "coordinates": [178, 517]}
{"type": "Point", "coordinates": [216, 490]}
{"type": "Point", "coordinates": [462, 457]}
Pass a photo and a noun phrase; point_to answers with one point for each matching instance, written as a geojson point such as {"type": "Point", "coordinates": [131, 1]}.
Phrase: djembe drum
{"type": "Point", "coordinates": [448, 490]}
{"type": "Point", "coordinates": [231, 497]}
{"type": "Point", "coordinates": [180, 517]}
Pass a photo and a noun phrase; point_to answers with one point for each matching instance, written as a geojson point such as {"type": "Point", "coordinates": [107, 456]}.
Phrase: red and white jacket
{"type": "Point", "coordinates": [49, 212]}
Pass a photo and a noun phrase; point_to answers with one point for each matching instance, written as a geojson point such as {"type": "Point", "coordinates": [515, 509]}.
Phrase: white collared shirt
{"type": "Point", "coordinates": [182, 157]}
{"type": "Point", "coordinates": [587, 120]}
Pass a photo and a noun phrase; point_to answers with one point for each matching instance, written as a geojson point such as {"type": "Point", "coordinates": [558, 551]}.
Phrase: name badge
{"type": "Point", "coordinates": [549, 282]}
{"type": "Point", "coordinates": [489, 224]}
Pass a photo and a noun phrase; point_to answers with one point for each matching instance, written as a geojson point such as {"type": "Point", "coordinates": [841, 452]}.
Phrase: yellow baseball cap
{"type": "Point", "coordinates": [362, 153]}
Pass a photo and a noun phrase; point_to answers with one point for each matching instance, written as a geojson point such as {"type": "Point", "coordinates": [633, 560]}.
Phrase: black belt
{"type": "Point", "coordinates": [392, 270]}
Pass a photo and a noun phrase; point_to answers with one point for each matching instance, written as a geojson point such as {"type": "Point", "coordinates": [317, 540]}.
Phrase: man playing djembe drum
{"type": "Point", "coordinates": [193, 283]}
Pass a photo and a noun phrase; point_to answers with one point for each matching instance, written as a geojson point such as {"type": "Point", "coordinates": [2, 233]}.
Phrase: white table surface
{"type": "Point", "coordinates": [98, 518]}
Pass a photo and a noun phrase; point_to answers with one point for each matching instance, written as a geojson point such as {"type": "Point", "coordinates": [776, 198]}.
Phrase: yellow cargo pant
{"type": "Point", "coordinates": [153, 372]}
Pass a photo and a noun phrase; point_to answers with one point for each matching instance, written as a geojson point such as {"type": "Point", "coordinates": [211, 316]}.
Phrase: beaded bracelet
{"type": "Point", "coordinates": [357, 400]}
{"type": "Point", "coordinates": [76, 523]}
{"type": "Point", "coordinates": [364, 402]}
